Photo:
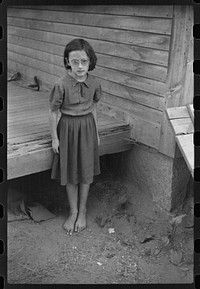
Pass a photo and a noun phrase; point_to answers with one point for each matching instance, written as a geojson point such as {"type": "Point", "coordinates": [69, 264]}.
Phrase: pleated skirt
{"type": "Point", "coordinates": [78, 158]}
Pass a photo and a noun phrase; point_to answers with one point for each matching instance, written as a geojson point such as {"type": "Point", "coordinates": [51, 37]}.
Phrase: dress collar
{"type": "Point", "coordinates": [74, 81]}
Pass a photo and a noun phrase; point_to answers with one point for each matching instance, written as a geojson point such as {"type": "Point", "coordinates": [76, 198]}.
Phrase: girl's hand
{"type": "Point", "coordinates": [55, 146]}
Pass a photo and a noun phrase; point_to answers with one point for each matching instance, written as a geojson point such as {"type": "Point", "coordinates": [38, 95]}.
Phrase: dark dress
{"type": "Point", "coordinates": [78, 158]}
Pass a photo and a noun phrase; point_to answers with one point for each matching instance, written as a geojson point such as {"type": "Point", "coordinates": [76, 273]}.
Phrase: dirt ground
{"type": "Point", "coordinates": [128, 239]}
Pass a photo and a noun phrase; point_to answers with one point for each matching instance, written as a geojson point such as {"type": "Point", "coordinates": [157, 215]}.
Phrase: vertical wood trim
{"type": "Point", "coordinates": [188, 89]}
{"type": "Point", "coordinates": [179, 50]}
{"type": "Point", "coordinates": [177, 67]}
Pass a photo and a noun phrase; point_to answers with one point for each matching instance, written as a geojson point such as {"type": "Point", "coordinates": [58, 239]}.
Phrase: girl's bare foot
{"type": "Point", "coordinates": [81, 221]}
{"type": "Point", "coordinates": [68, 226]}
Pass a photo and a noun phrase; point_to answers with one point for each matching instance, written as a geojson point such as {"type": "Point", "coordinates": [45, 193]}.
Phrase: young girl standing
{"type": "Point", "coordinates": [74, 132]}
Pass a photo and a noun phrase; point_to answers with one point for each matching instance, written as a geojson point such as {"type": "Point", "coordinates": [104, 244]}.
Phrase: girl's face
{"type": "Point", "coordinates": [79, 62]}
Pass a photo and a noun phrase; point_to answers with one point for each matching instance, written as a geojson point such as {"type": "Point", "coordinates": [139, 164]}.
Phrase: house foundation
{"type": "Point", "coordinates": [165, 178]}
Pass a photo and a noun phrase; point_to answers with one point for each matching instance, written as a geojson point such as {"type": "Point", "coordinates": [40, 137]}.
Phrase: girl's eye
{"type": "Point", "coordinates": [82, 61]}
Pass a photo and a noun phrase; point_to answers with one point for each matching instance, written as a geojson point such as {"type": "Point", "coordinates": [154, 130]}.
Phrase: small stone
{"type": "Point", "coordinates": [99, 263]}
{"type": "Point", "coordinates": [111, 230]}
{"type": "Point", "coordinates": [185, 269]}
{"type": "Point", "coordinates": [156, 251]}
{"type": "Point", "coordinates": [175, 257]}
{"type": "Point", "coordinates": [165, 240]}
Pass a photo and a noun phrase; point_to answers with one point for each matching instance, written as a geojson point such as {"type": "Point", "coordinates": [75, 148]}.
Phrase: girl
{"type": "Point", "coordinates": [75, 137]}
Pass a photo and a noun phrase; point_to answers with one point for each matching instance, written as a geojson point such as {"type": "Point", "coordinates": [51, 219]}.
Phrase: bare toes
{"type": "Point", "coordinates": [68, 226]}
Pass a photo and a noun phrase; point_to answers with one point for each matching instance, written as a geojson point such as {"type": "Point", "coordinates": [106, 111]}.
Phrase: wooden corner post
{"type": "Point", "coordinates": [180, 46]}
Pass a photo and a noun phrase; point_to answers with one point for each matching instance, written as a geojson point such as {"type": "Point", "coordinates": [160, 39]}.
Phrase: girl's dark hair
{"type": "Point", "coordinates": [80, 44]}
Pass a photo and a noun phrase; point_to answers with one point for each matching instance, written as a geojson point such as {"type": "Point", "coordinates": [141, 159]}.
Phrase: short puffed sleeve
{"type": "Point", "coordinates": [98, 93]}
{"type": "Point", "coordinates": [56, 97]}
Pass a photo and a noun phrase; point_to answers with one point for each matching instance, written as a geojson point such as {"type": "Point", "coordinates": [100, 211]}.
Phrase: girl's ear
{"type": "Point", "coordinates": [67, 65]}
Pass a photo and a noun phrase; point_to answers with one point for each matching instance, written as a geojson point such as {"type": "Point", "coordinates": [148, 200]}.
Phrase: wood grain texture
{"type": "Point", "coordinates": [142, 130]}
{"type": "Point", "coordinates": [127, 79]}
{"type": "Point", "coordinates": [136, 38]}
{"type": "Point", "coordinates": [181, 119]}
{"type": "Point", "coordinates": [191, 111]}
{"type": "Point", "coordinates": [175, 84]}
{"type": "Point", "coordinates": [181, 36]}
{"type": "Point", "coordinates": [183, 129]}
{"type": "Point", "coordinates": [134, 109]}
{"type": "Point", "coordinates": [141, 68]}
{"type": "Point", "coordinates": [155, 25]}
{"type": "Point", "coordinates": [144, 54]}
{"type": "Point", "coordinates": [158, 11]}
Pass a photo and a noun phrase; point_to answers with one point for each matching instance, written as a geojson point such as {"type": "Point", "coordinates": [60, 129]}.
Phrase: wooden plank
{"type": "Point", "coordinates": [185, 143]}
{"type": "Point", "coordinates": [135, 67]}
{"type": "Point", "coordinates": [180, 120]}
{"type": "Point", "coordinates": [150, 40]}
{"type": "Point", "coordinates": [27, 36]}
{"type": "Point", "coordinates": [134, 109]}
{"type": "Point", "coordinates": [29, 163]}
{"type": "Point", "coordinates": [188, 90]}
{"type": "Point", "coordinates": [167, 143]}
{"type": "Point", "coordinates": [177, 112]}
{"type": "Point", "coordinates": [23, 139]}
{"type": "Point", "coordinates": [182, 29]}
{"type": "Point", "coordinates": [132, 95]}
{"type": "Point", "coordinates": [145, 24]}
{"type": "Point", "coordinates": [127, 79]}
{"type": "Point", "coordinates": [160, 11]}
{"type": "Point", "coordinates": [41, 160]}
{"type": "Point", "coordinates": [181, 34]}
{"type": "Point", "coordinates": [109, 88]}
{"type": "Point", "coordinates": [191, 111]}
{"type": "Point", "coordinates": [28, 73]}
{"type": "Point", "coordinates": [37, 64]}
{"type": "Point", "coordinates": [140, 68]}
{"type": "Point", "coordinates": [182, 126]}
{"type": "Point", "coordinates": [131, 80]}
{"type": "Point", "coordinates": [22, 107]}
{"type": "Point", "coordinates": [142, 130]}
{"type": "Point", "coordinates": [28, 130]}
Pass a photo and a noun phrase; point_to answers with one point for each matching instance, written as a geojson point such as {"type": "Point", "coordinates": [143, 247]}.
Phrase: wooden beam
{"type": "Point", "coordinates": [132, 10]}
{"type": "Point", "coordinates": [179, 51]}
{"type": "Point", "coordinates": [126, 22]}
{"type": "Point", "coordinates": [38, 157]}
{"type": "Point", "coordinates": [191, 111]}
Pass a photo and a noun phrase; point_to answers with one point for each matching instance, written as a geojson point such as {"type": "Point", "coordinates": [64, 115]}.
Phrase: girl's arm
{"type": "Point", "coordinates": [94, 112]}
{"type": "Point", "coordinates": [53, 122]}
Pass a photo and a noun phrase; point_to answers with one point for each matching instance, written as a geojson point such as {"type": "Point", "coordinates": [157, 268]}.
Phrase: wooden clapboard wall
{"type": "Point", "coordinates": [133, 48]}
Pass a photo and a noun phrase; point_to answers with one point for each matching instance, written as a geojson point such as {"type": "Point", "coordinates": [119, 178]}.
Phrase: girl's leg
{"type": "Point", "coordinates": [83, 195]}
{"type": "Point", "coordinates": [72, 193]}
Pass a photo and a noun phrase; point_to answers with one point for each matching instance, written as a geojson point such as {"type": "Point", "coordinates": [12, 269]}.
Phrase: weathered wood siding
{"type": "Point", "coordinates": [132, 45]}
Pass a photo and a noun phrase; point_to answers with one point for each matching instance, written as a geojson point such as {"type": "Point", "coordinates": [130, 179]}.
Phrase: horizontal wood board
{"type": "Point", "coordinates": [183, 128]}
